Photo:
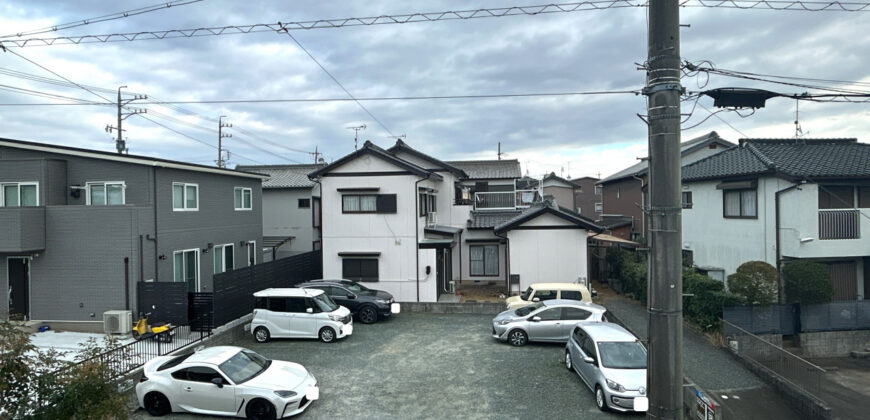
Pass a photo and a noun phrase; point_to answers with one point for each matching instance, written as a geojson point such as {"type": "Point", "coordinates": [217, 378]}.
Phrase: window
{"type": "Point", "coordinates": [359, 269]}
{"type": "Point", "coordinates": [543, 295]}
{"type": "Point", "coordinates": [223, 258]}
{"type": "Point", "coordinates": [836, 197]}
{"type": "Point", "coordinates": [572, 295]}
{"type": "Point", "coordinates": [186, 268]}
{"type": "Point", "coordinates": [599, 207]}
{"type": "Point", "coordinates": [552, 314]}
{"type": "Point", "coordinates": [252, 252]}
{"type": "Point", "coordinates": [368, 203]}
{"type": "Point", "coordinates": [740, 204]}
{"type": "Point", "coordinates": [576, 314]}
{"type": "Point", "coordinates": [296, 305]}
{"type": "Point", "coordinates": [198, 374]}
{"type": "Point", "coordinates": [304, 203]}
{"type": "Point", "coordinates": [278, 304]}
{"type": "Point", "coordinates": [588, 347]}
{"type": "Point", "coordinates": [598, 190]}
{"type": "Point", "coordinates": [617, 193]}
{"type": "Point", "coordinates": [19, 194]}
{"type": "Point", "coordinates": [427, 204]}
{"type": "Point", "coordinates": [864, 197]}
{"type": "Point", "coordinates": [687, 199]}
{"type": "Point", "coordinates": [185, 197]}
{"type": "Point", "coordinates": [483, 260]}
{"type": "Point", "coordinates": [105, 193]}
{"type": "Point", "coordinates": [242, 198]}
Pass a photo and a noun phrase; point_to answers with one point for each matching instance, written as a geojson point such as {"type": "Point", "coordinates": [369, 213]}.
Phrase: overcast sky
{"type": "Point", "coordinates": [564, 52]}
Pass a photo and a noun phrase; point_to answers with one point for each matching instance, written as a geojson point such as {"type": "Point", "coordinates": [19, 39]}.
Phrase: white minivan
{"type": "Point", "coordinates": [299, 313]}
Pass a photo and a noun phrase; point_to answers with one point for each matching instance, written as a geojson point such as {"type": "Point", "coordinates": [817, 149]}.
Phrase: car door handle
{"type": "Point", "coordinates": [188, 389]}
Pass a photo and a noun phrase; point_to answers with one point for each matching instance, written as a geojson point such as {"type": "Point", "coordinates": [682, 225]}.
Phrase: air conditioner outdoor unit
{"type": "Point", "coordinates": [117, 322]}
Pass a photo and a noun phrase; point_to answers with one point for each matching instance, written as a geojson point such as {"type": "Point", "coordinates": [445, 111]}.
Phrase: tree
{"type": "Point", "coordinates": [807, 282]}
{"type": "Point", "coordinates": [755, 281]}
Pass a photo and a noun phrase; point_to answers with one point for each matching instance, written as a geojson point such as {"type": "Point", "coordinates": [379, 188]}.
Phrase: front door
{"type": "Point", "coordinates": [19, 287]}
{"type": "Point", "coordinates": [439, 271]}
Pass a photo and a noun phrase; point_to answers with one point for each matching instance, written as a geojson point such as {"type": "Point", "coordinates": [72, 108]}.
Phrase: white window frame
{"type": "Point", "coordinates": [222, 250]}
{"type": "Point", "coordinates": [251, 246]}
{"type": "Point", "coordinates": [106, 183]}
{"type": "Point", "coordinates": [184, 186]}
{"type": "Point", "coordinates": [598, 190]}
{"type": "Point", "coordinates": [242, 198]}
{"type": "Point", "coordinates": [198, 264]}
{"type": "Point", "coordinates": [17, 184]}
{"type": "Point", "coordinates": [599, 207]}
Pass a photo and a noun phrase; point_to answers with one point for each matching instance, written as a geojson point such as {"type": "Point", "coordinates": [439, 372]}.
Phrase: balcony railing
{"type": "Point", "coordinates": [839, 224]}
{"type": "Point", "coordinates": [431, 219]}
{"type": "Point", "coordinates": [526, 198]}
{"type": "Point", "coordinates": [501, 200]}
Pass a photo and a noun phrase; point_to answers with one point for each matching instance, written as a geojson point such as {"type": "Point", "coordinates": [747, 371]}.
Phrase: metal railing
{"type": "Point", "coordinates": [526, 198]}
{"type": "Point", "coordinates": [839, 224]}
{"type": "Point", "coordinates": [495, 200]}
{"type": "Point", "coordinates": [781, 362]}
{"type": "Point", "coordinates": [431, 219]}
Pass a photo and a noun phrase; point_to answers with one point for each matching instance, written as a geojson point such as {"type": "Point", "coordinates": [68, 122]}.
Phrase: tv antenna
{"type": "Point", "coordinates": [356, 134]}
{"type": "Point", "coordinates": [399, 137]}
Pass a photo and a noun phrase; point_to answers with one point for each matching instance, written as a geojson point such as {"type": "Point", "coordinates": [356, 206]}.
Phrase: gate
{"type": "Point", "coordinates": [167, 301]}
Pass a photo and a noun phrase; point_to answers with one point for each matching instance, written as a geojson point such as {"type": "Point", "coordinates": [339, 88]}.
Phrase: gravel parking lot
{"type": "Point", "coordinates": [434, 366]}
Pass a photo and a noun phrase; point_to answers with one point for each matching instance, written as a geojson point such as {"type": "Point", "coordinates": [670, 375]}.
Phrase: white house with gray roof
{"type": "Point", "coordinates": [291, 209]}
{"type": "Point", "coordinates": [777, 200]}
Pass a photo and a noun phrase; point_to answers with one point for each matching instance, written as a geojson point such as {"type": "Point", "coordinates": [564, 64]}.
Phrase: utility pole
{"type": "Point", "coordinates": [499, 151]}
{"type": "Point", "coordinates": [665, 306]}
{"type": "Point", "coordinates": [120, 143]}
{"type": "Point", "coordinates": [316, 154]}
{"type": "Point", "coordinates": [221, 162]}
{"type": "Point", "coordinates": [356, 134]}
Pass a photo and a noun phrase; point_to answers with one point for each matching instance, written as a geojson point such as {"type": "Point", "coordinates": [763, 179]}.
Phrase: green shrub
{"type": "Point", "coordinates": [755, 281]}
{"type": "Point", "coordinates": [807, 282]}
{"type": "Point", "coordinates": [704, 306]}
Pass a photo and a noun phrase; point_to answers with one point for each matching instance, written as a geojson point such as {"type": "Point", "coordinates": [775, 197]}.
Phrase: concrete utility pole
{"type": "Point", "coordinates": [120, 143]}
{"type": "Point", "coordinates": [663, 90]}
{"type": "Point", "coordinates": [221, 162]}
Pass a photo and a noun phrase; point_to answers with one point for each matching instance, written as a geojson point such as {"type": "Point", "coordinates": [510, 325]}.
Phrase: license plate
{"type": "Point", "coordinates": [312, 393]}
{"type": "Point", "coordinates": [395, 308]}
{"type": "Point", "coordinates": [641, 404]}
{"type": "Point", "coordinates": [348, 329]}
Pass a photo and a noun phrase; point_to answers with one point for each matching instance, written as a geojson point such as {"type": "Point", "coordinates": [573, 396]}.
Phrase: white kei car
{"type": "Point", "coordinates": [226, 381]}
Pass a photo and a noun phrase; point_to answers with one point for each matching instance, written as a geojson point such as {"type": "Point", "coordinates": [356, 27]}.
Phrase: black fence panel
{"type": "Point", "coordinates": [167, 301]}
{"type": "Point", "coordinates": [201, 311]}
{"type": "Point", "coordinates": [234, 290]}
{"type": "Point", "coordinates": [836, 316]}
{"type": "Point", "coordinates": [772, 319]}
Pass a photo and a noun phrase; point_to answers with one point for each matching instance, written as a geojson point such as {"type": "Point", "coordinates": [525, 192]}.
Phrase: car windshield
{"type": "Point", "coordinates": [525, 294]}
{"type": "Point", "coordinates": [355, 287]}
{"type": "Point", "coordinates": [244, 366]}
{"type": "Point", "coordinates": [622, 355]}
{"type": "Point", "coordinates": [525, 310]}
{"type": "Point", "coordinates": [325, 303]}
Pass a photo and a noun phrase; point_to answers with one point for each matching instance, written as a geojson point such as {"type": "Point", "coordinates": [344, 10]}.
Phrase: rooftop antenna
{"type": "Point", "coordinates": [499, 151]}
{"type": "Point", "coordinates": [356, 134]}
{"type": "Point", "coordinates": [797, 125]}
{"type": "Point", "coordinates": [399, 137]}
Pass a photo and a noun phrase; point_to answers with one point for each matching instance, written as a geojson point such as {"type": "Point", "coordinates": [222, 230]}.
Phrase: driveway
{"type": "Point", "coordinates": [434, 366]}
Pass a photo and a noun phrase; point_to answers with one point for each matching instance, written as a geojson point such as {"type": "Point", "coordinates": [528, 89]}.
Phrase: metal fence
{"type": "Point", "coordinates": [836, 316]}
{"type": "Point", "coordinates": [797, 318]}
{"type": "Point", "coordinates": [781, 362]}
{"type": "Point", "coordinates": [772, 319]}
{"type": "Point", "coordinates": [839, 224]}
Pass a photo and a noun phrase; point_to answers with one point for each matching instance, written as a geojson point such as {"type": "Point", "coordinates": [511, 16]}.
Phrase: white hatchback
{"type": "Point", "coordinates": [299, 313]}
{"type": "Point", "coordinates": [226, 381]}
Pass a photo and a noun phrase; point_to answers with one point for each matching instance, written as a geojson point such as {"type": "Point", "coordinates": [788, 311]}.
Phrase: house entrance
{"type": "Point", "coordinates": [443, 269]}
{"type": "Point", "coordinates": [18, 270]}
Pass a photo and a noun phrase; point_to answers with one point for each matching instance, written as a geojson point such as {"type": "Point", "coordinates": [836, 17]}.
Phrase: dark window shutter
{"type": "Point", "coordinates": [386, 203]}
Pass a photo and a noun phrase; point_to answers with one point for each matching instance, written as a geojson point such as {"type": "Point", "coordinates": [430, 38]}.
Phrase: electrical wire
{"type": "Point", "coordinates": [44, 94]}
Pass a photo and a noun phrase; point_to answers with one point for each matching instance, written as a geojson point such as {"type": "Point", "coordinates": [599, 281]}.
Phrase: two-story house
{"type": "Point", "coordinates": [79, 228]}
{"type": "Point", "coordinates": [775, 200]}
{"type": "Point", "coordinates": [291, 209]}
{"type": "Point", "coordinates": [624, 194]}
{"type": "Point", "coordinates": [562, 191]}
{"type": "Point", "coordinates": [588, 197]}
{"type": "Point", "coordinates": [414, 224]}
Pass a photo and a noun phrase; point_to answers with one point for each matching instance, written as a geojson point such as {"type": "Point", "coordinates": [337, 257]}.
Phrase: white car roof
{"type": "Point", "coordinates": [214, 355]}
{"type": "Point", "coordinates": [557, 286]}
{"type": "Point", "coordinates": [607, 331]}
{"type": "Point", "coordinates": [288, 292]}
{"type": "Point", "coordinates": [594, 307]}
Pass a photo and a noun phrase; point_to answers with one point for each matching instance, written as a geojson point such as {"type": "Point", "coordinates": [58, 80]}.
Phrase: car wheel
{"type": "Point", "coordinates": [326, 334]}
{"type": "Point", "coordinates": [568, 361]}
{"type": "Point", "coordinates": [518, 338]}
{"type": "Point", "coordinates": [368, 315]}
{"type": "Point", "coordinates": [261, 334]}
{"type": "Point", "coordinates": [260, 409]}
{"type": "Point", "coordinates": [156, 404]}
{"type": "Point", "coordinates": [600, 398]}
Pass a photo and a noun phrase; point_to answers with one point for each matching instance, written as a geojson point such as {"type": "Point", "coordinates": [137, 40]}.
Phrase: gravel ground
{"type": "Point", "coordinates": [434, 366]}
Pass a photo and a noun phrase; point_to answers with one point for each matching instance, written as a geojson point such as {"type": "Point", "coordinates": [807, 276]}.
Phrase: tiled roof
{"type": "Point", "coordinates": [550, 207]}
{"type": "Point", "coordinates": [489, 169]}
{"type": "Point", "coordinates": [796, 158]}
{"type": "Point", "coordinates": [552, 175]}
{"type": "Point", "coordinates": [641, 167]}
{"type": "Point", "coordinates": [489, 219]}
{"type": "Point", "coordinates": [284, 176]}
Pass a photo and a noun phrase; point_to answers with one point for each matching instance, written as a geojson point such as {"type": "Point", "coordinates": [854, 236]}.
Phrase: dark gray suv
{"type": "Point", "coordinates": [369, 305]}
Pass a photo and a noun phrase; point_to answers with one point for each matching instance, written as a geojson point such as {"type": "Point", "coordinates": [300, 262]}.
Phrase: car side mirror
{"type": "Point", "coordinates": [535, 319]}
{"type": "Point", "coordinates": [309, 310]}
{"type": "Point", "coordinates": [536, 299]}
{"type": "Point", "coordinates": [588, 359]}
{"type": "Point", "coordinates": [351, 296]}
{"type": "Point", "coordinates": [218, 381]}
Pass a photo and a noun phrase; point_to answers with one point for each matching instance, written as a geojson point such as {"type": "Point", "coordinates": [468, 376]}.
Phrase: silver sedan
{"type": "Point", "coordinates": [550, 320]}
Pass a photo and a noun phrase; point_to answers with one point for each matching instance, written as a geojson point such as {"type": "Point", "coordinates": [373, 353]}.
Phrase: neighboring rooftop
{"type": "Point", "coordinates": [799, 159]}
{"type": "Point", "coordinates": [553, 177]}
{"type": "Point", "coordinates": [546, 207]}
{"type": "Point", "coordinates": [489, 169]}
{"type": "Point", "coordinates": [284, 176]}
{"type": "Point", "coordinates": [489, 219]}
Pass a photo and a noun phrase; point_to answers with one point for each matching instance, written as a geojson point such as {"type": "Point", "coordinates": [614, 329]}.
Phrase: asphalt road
{"type": "Point", "coordinates": [434, 366]}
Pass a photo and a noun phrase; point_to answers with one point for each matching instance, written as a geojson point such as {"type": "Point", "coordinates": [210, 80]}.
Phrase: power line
{"type": "Point", "coordinates": [723, 120]}
{"type": "Point", "coordinates": [44, 94]}
{"type": "Point", "coordinates": [103, 18]}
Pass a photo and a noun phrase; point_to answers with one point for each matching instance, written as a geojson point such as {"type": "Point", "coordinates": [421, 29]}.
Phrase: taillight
{"type": "Point", "coordinates": [143, 378]}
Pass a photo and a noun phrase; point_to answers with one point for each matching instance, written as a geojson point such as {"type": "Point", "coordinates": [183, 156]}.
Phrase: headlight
{"type": "Point", "coordinates": [381, 301]}
{"type": "Point", "coordinates": [614, 386]}
{"type": "Point", "coordinates": [505, 321]}
{"type": "Point", "coordinates": [335, 318]}
{"type": "Point", "coordinates": [285, 394]}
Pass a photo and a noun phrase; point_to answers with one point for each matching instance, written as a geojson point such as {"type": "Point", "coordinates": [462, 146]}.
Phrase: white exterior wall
{"type": "Point", "coordinates": [548, 255]}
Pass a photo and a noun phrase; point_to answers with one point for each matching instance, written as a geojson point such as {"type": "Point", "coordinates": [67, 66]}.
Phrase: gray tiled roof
{"type": "Point", "coordinates": [489, 219]}
{"type": "Point", "coordinates": [489, 169]}
{"type": "Point", "coordinates": [547, 206]}
{"type": "Point", "coordinates": [800, 159]}
{"type": "Point", "coordinates": [283, 176]}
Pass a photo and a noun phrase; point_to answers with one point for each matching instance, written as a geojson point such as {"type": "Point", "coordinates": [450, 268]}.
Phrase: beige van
{"type": "Point", "coordinates": [548, 291]}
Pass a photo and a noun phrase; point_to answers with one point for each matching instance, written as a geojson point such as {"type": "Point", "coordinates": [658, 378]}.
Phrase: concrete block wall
{"type": "Point", "coordinates": [833, 343]}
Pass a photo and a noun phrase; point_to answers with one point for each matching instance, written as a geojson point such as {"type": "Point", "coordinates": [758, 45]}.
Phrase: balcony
{"type": "Point", "coordinates": [839, 224]}
{"type": "Point", "coordinates": [505, 200]}
{"type": "Point", "coordinates": [22, 229]}
{"type": "Point", "coordinates": [431, 219]}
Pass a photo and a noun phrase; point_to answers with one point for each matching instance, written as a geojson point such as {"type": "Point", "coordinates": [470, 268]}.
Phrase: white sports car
{"type": "Point", "coordinates": [226, 381]}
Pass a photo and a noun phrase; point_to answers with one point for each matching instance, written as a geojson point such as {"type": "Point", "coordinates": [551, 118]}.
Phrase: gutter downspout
{"type": "Point", "coordinates": [460, 262]}
{"type": "Point", "coordinates": [416, 231]}
{"type": "Point", "coordinates": [156, 248]}
{"type": "Point", "coordinates": [507, 261]}
{"type": "Point", "coordinates": [320, 229]}
{"type": "Point", "coordinates": [778, 241]}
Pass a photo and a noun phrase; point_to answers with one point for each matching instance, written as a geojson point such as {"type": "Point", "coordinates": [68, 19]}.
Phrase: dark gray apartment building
{"type": "Point", "coordinates": [79, 228]}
